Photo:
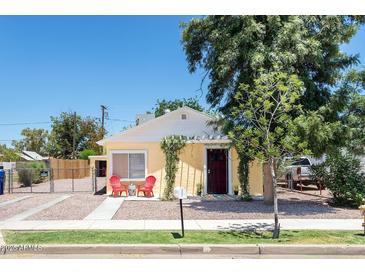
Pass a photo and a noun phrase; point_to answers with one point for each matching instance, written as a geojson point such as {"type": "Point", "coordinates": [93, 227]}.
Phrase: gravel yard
{"type": "Point", "coordinates": [21, 206]}
{"type": "Point", "coordinates": [8, 197]}
{"type": "Point", "coordinates": [76, 207]}
{"type": "Point", "coordinates": [80, 205]}
{"type": "Point", "coordinates": [291, 205]}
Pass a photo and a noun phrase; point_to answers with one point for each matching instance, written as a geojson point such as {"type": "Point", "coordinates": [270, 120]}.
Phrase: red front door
{"type": "Point", "coordinates": [217, 171]}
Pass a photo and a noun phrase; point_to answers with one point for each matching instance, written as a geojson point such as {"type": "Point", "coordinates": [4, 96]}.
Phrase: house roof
{"type": "Point", "coordinates": [195, 127]}
{"type": "Point", "coordinates": [31, 156]}
{"type": "Point", "coordinates": [25, 157]}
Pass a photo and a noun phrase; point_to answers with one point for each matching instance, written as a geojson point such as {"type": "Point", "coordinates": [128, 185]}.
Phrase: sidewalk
{"type": "Point", "coordinates": [297, 224]}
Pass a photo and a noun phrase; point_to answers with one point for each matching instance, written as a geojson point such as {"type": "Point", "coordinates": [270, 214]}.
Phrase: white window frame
{"type": "Point", "coordinates": [123, 151]}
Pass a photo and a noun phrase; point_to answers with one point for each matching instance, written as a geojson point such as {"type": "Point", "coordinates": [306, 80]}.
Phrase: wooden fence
{"type": "Point", "coordinates": [68, 169]}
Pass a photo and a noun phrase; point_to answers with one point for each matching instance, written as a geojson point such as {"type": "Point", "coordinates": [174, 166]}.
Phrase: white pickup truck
{"type": "Point", "coordinates": [299, 171]}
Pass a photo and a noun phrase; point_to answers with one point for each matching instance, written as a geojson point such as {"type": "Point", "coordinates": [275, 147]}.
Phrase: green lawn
{"type": "Point", "coordinates": [191, 237]}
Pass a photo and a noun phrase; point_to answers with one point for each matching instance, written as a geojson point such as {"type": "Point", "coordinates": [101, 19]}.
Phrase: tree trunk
{"type": "Point", "coordinates": [276, 232]}
{"type": "Point", "coordinates": [268, 185]}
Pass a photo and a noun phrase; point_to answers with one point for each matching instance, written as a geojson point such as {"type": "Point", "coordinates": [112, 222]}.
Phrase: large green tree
{"type": "Point", "coordinates": [270, 132]}
{"type": "Point", "coordinates": [235, 50]}
{"type": "Point", "coordinates": [87, 132]}
{"type": "Point", "coordinates": [34, 139]}
{"type": "Point", "coordinates": [8, 154]}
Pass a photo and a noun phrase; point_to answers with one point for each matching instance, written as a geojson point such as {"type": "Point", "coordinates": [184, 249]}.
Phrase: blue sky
{"type": "Point", "coordinates": [52, 64]}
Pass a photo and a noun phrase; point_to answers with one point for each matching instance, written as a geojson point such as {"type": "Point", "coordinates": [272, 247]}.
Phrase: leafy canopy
{"type": "Point", "coordinates": [234, 49]}
{"type": "Point", "coordinates": [262, 113]}
{"type": "Point", "coordinates": [34, 139]}
{"type": "Point", "coordinates": [8, 154]}
{"type": "Point", "coordinates": [163, 105]}
{"type": "Point", "coordinates": [88, 132]}
{"type": "Point", "coordinates": [84, 155]}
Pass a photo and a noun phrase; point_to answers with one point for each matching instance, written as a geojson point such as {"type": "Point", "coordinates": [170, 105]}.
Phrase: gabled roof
{"type": "Point", "coordinates": [196, 127]}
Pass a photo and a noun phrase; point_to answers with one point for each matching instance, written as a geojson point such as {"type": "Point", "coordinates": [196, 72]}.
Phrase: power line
{"type": "Point", "coordinates": [120, 120]}
{"type": "Point", "coordinates": [22, 124]}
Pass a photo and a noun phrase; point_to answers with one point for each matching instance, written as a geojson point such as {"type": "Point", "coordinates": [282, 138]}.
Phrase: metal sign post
{"type": "Point", "coordinates": [180, 193]}
{"type": "Point", "coordinates": [182, 219]}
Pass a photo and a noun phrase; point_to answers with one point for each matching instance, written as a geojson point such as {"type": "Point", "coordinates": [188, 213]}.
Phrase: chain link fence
{"type": "Point", "coordinates": [51, 180]}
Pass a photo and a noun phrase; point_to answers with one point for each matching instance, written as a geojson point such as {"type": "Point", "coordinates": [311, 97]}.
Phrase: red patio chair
{"type": "Point", "coordinates": [147, 188]}
{"type": "Point", "coordinates": [117, 186]}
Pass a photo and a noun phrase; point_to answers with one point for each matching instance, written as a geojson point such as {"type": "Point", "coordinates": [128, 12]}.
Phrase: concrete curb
{"type": "Point", "coordinates": [312, 249]}
{"type": "Point", "coordinates": [206, 249]}
{"type": "Point", "coordinates": [2, 240]}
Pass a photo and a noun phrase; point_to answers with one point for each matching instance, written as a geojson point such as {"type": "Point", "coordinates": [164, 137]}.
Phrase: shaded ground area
{"type": "Point", "coordinates": [291, 205]}
{"type": "Point", "coordinates": [310, 189]}
{"type": "Point", "coordinates": [21, 206]}
{"type": "Point", "coordinates": [76, 207]}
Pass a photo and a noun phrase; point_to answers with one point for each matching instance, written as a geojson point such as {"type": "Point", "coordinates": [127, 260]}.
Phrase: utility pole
{"type": "Point", "coordinates": [74, 138]}
{"type": "Point", "coordinates": [103, 116]}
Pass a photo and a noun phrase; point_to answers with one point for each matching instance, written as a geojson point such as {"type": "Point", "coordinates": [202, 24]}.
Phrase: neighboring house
{"type": "Point", "coordinates": [206, 162]}
{"type": "Point", "coordinates": [31, 156]}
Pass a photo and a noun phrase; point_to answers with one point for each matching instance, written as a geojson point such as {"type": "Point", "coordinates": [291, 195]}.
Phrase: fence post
{"type": "Point", "coordinates": [9, 181]}
{"type": "Point", "coordinates": [31, 181]}
{"type": "Point", "coordinates": [73, 184]}
{"type": "Point", "coordinates": [94, 180]}
{"type": "Point", "coordinates": [51, 184]}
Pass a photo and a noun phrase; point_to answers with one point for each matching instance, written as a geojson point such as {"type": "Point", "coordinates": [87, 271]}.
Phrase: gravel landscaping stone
{"type": "Point", "coordinates": [21, 206]}
{"type": "Point", "coordinates": [291, 205]}
{"type": "Point", "coordinates": [8, 197]}
{"type": "Point", "coordinates": [77, 207]}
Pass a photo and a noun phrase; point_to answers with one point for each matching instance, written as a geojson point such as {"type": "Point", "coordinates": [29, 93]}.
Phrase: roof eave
{"type": "Point", "coordinates": [226, 141]}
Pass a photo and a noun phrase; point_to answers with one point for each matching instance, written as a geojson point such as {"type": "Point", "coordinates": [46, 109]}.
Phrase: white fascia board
{"type": "Point", "coordinates": [133, 135]}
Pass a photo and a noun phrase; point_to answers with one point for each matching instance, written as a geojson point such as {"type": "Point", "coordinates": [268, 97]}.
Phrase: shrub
{"type": "Point", "coordinates": [243, 172]}
{"type": "Point", "coordinates": [247, 198]}
{"type": "Point", "coordinates": [199, 189]}
{"type": "Point", "coordinates": [84, 155]}
{"type": "Point", "coordinates": [341, 175]}
{"type": "Point", "coordinates": [29, 173]}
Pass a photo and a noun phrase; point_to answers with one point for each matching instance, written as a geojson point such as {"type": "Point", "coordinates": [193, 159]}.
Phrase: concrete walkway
{"type": "Point", "coordinates": [106, 210]}
{"type": "Point", "coordinates": [297, 224]}
{"type": "Point", "coordinates": [13, 201]}
{"type": "Point", "coordinates": [32, 211]}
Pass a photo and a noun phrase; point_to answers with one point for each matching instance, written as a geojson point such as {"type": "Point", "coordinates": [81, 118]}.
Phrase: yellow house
{"type": "Point", "coordinates": [208, 164]}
